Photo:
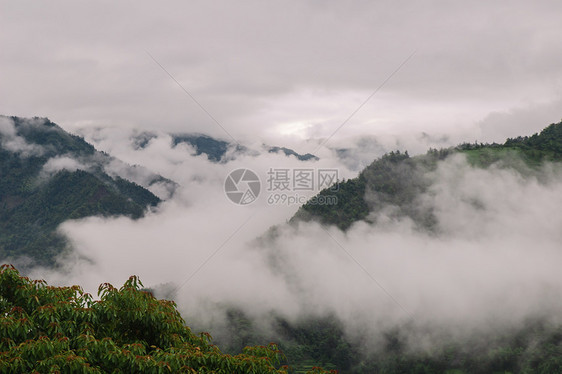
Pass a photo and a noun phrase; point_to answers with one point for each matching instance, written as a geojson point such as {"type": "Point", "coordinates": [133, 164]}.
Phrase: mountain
{"type": "Point", "coordinates": [29, 164]}
{"type": "Point", "coordinates": [396, 179]}
{"type": "Point", "coordinates": [218, 150]}
{"type": "Point", "coordinates": [290, 152]}
{"type": "Point", "coordinates": [48, 176]}
{"type": "Point", "coordinates": [215, 149]}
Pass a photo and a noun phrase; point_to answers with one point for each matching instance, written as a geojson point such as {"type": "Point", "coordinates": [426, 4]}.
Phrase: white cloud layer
{"type": "Point", "coordinates": [493, 261]}
{"type": "Point", "coordinates": [56, 164]}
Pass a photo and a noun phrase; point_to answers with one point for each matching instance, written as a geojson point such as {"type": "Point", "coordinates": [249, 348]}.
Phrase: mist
{"type": "Point", "coordinates": [10, 140]}
{"type": "Point", "coordinates": [491, 263]}
{"type": "Point", "coordinates": [412, 75]}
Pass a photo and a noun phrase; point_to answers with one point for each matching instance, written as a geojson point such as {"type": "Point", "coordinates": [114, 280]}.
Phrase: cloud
{"type": "Point", "coordinates": [10, 140]}
{"type": "Point", "coordinates": [522, 121]}
{"type": "Point", "coordinates": [496, 250]}
{"type": "Point", "coordinates": [161, 187]}
{"type": "Point", "coordinates": [56, 164]}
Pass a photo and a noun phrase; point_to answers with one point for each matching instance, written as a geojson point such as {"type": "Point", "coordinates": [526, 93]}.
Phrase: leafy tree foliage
{"type": "Point", "coordinates": [46, 329]}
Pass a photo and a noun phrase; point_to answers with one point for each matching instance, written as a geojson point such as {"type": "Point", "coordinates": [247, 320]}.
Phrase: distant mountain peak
{"type": "Point", "coordinates": [214, 149]}
{"type": "Point", "coordinates": [290, 152]}
{"type": "Point", "coordinates": [218, 150]}
{"type": "Point", "coordinates": [49, 176]}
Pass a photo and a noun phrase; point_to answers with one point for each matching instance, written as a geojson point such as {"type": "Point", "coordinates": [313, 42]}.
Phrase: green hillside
{"type": "Point", "coordinates": [396, 179]}
{"type": "Point", "coordinates": [33, 204]}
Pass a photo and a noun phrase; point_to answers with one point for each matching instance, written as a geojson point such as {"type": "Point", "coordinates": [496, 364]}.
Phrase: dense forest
{"type": "Point", "coordinates": [397, 179]}
{"type": "Point", "coordinates": [33, 204]}
{"type": "Point", "coordinates": [533, 347]}
{"type": "Point", "coordinates": [32, 209]}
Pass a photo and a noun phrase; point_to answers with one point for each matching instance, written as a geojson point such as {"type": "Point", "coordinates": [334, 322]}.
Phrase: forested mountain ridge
{"type": "Point", "coordinates": [218, 150]}
{"type": "Point", "coordinates": [397, 179]}
{"type": "Point", "coordinates": [48, 176]}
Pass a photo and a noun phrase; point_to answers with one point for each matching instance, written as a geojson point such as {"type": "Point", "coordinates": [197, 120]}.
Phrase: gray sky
{"type": "Point", "coordinates": [483, 70]}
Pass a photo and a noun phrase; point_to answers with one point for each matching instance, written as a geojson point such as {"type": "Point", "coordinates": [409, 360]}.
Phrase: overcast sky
{"type": "Point", "coordinates": [485, 70]}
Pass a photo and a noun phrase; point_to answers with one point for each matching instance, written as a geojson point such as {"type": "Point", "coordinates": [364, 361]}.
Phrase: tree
{"type": "Point", "coordinates": [45, 329]}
